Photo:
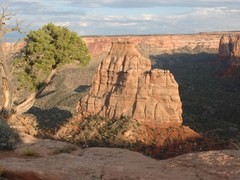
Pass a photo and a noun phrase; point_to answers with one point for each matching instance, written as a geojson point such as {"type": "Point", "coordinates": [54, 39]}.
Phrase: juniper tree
{"type": "Point", "coordinates": [49, 48]}
{"type": "Point", "coordinates": [46, 50]}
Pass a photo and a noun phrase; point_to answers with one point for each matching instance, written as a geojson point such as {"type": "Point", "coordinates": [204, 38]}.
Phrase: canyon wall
{"type": "Point", "coordinates": [150, 44]}
{"type": "Point", "coordinates": [12, 47]}
{"type": "Point", "coordinates": [125, 85]}
{"type": "Point", "coordinates": [229, 50]}
{"type": "Point", "coordinates": [156, 44]}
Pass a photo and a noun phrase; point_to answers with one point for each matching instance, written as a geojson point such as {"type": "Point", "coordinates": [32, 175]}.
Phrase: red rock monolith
{"type": "Point", "coordinates": [125, 85]}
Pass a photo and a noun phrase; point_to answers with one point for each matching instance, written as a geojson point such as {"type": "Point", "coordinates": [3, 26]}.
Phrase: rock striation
{"type": "Point", "coordinates": [157, 44]}
{"type": "Point", "coordinates": [226, 46]}
{"type": "Point", "coordinates": [125, 85]}
{"type": "Point", "coordinates": [229, 49]}
{"type": "Point", "coordinates": [236, 50]}
{"type": "Point", "coordinates": [229, 46]}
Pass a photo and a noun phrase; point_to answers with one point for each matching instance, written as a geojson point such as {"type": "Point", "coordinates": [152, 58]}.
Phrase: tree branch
{"type": "Point", "coordinates": [6, 82]}
{"type": "Point", "coordinates": [6, 111]}
{"type": "Point", "coordinates": [28, 103]}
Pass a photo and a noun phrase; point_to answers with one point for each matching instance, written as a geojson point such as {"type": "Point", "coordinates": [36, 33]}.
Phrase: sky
{"type": "Point", "coordinates": [119, 17]}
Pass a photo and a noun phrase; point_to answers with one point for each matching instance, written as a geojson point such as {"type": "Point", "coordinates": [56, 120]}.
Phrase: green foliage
{"type": "Point", "coordinates": [8, 136]}
{"type": "Point", "coordinates": [48, 48]}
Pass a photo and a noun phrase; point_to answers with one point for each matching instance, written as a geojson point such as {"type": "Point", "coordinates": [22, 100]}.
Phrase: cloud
{"type": "Point", "coordinates": [109, 17]}
{"type": "Point", "coordinates": [65, 24]}
{"type": "Point", "coordinates": [153, 3]}
{"type": "Point", "coordinates": [196, 20]}
{"type": "Point", "coordinates": [148, 17]}
{"type": "Point", "coordinates": [120, 24]}
{"type": "Point", "coordinates": [206, 19]}
{"type": "Point", "coordinates": [125, 3]}
{"type": "Point", "coordinates": [83, 24]}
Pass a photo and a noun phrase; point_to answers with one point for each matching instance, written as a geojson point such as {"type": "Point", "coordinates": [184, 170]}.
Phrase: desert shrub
{"type": "Point", "coordinates": [100, 131]}
{"type": "Point", "coordinates": [65, 149]}
{"type": "Point", "coordinates": [8, 136]}
{"type": "Point", "coordinates": [30, 152]}
{"type": "Point", "coordinates": [1, 171]}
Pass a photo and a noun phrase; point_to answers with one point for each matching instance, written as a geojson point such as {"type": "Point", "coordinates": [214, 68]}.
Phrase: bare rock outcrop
{"type": "Point", "coordinates": [229, 49]}
{"type": "Point", "coordinates": [113, 163]}
{"type": "Point", "coordinates": [226, 46]}
{"type": "Point", "coordinates": [55, 160]}
{"type": "Point", "coordinates": [236, 50]}
{"type": "Point", "coordinates": [125, 85]}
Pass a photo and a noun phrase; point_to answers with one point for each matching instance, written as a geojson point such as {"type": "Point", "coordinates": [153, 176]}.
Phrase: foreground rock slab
{"type": "Point", "coordinates": [113, 163]}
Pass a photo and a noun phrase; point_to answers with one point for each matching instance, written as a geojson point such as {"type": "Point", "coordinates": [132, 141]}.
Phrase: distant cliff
{"type": "Point", "coordinates": [149, 44]}
{"type": "Point", "coordinates": [13, 47]}
{"type": "Point", "coordinates": [229, 50]}
{"type": "Point", "coordinates": [156, 44]}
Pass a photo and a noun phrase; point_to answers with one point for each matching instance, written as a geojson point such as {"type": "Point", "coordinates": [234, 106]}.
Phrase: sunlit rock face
{"type": "Point", "coordinates": [236, 50]}
{"type": "Point", "coordinates": [149, 45]}
{"type": "Point", "coordinates": [229, 49]}
{"type": "Point", "coordinates": [226, 46]}
{"type": "Point", "coordinates": [125, 85]}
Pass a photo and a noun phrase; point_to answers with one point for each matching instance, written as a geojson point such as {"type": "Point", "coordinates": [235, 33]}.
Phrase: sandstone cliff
{"type": "Point", "coordinates": [156, 44]}
{"type": "Point", "coordinates": [226, 46]}
{"type": "Point", "coordinates": [13, 47]}
{"type": "Point", "coordinates": [125, 85]}
{"type": "Point", "coordinates": [151, 44]}
{"type": "Point", "coordinates": [236, 50]}
{"type": "Point", "coordinates": [229, 49]}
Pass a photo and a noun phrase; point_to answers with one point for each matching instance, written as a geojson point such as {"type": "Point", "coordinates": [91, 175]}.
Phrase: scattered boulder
{"type": "Point", "coordinates": [125, 85]}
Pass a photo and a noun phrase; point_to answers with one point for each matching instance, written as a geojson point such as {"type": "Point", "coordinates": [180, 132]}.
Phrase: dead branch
{"type": "Point", "coordinates": [8, 109]}
{"type": "Point", "coordinates": [28, 103]}
{"type": "Point", "coordinates": [5, 16]}
{"type": "Point", "coordinates": [6, 82]}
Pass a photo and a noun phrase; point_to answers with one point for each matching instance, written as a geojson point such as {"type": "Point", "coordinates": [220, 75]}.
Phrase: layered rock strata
{"type": "Point", "coordinates": [151, 44]}
{"type": "Point", "coordinates": [156, 44]}
{"type": "Point", "coordinates": [125, 85]}
{"type": "Point", "coordinates": [229, 49]}
{"type": "Point", "coordinates": [236, 50]}
{"type": "Point", "coordinates": [229, 46]}
{"type": "Point", "coordinates": [226, 46]}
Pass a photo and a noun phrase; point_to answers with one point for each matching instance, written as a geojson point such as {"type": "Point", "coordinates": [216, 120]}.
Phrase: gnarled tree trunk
{"type": "Point", "coordinates": [8, 109]}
